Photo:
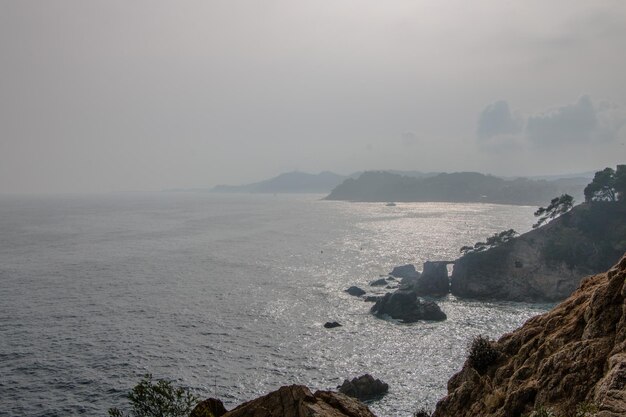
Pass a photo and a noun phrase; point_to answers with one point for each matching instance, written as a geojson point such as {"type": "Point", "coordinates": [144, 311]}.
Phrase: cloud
{"type": "Point", "coordinates": [581, 122]}
{"type": "Point", "coordinates": [498, 128]}
{"type": "Point", "coordinates": [575, 122]}
{"type": "Point", "coordinates": [496, 119]}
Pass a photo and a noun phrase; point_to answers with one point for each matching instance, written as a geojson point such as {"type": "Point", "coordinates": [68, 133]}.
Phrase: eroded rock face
{"type": "Point", "coordinates": [434, 280]}
{"type": "Point", "coordinates": [364, 387]}
{"type": "Point", "coordinates": [405, 305]}
{"type": "Point", "coordinates": [297, 401]}
{"type": "Point", "coordinates": [575, 353]}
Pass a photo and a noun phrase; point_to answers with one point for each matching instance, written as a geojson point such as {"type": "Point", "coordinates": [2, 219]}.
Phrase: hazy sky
{"type": "Point", "coordinates": [146, 95]}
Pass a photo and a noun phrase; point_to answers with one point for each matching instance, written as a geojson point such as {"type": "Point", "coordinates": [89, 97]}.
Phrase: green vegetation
{"type": "Point", "coordinates": [542, 412]}
{"type": "Point", "coordinates": [558, 205]}
{"type": "Point", "coordinates": [607, 185]}
{"type": "Point", "coordinates": [586, 410]}
{"type": "Point", "coordinates": [482, 353]}
{"type": "Point", "coordinates": [157, 399]}
{"type": "Point", "coordinates": [492, 241]}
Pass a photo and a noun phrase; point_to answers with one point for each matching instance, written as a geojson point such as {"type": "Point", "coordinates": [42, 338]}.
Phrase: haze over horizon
{"type": "Point", "coordinates": [112, 96]}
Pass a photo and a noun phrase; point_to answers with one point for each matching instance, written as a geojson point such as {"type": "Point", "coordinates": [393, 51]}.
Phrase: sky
{"type": "Point", "coordinates": [101, 96]}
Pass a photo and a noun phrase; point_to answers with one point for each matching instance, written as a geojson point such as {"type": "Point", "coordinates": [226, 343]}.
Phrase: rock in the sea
{"type": "Point", "coordinates": [331, 324]}
{"type": "Point", "coordinates": [434, 280]}
{"type": "Point", "coordinates": [297, 401]}
{"type": "Point", "coordinates": [378, 282]}
{"type": "Point", "coordinates": [574, 354]}
{"type": "Point", "coordinates": [405, 305]}
{"type": "Point", "coordinates": [405, 271]}
{"type": "Point", "coordinates": [356, 291]}
{"type": "Point", "coordinates": [211, 407]}
{"type": "Point", "coordinates": [365, 387]}
{"type": "Point", "coordinates": [372, 298]}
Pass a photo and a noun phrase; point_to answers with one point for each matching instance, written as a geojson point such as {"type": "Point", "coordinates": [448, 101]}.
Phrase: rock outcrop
{"type": "Point", "coordinates": [365, 387]}
{"type": "Point", "coordinates": [547, 263]}
{"type": "Point", "coordinates": [405, 272]}
{"type": "Point", "coordinates": [298, 401]}
{"type": "Point", "coordinates": [434, 280]}
{"type": "Point", "coordinates": [405, 305]}
{"type": "Point", "coordinates": [356, 291]}
{"type": "Point", "coordinates": [378, 282]}
{"type": "Point", "coordinates": [572, 355]}
{"type": "Point", "coordinates": [331, 324]}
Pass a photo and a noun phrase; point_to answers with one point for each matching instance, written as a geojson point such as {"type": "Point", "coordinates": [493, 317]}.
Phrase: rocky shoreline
{"type": "Point", "coordinates": [565, 362]}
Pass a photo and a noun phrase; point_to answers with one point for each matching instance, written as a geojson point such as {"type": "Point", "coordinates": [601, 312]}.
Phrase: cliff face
{"type": "Point", "coordinates": [546, 263]}
{"type": "Point", "coordinates": [574, 354]}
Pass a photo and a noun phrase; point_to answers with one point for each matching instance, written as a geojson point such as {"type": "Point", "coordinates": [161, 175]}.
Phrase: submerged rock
{"type": "Point", "coordinates": [297, 401]}
{"type": "Point", "coordinates": [405, 305]}
{"type": "Point", "coordinates": [372, 298]}
{"type": "Point", "coordinates": [364, 387]}
{"type": "Point", "coordinates": [574, 354]}
{"type": "Point", "coordinates": [378, 282]}
{"type": "Point", "coordinates": [356, 291]}
{"type": "Point", "coordinates": [331, 324]}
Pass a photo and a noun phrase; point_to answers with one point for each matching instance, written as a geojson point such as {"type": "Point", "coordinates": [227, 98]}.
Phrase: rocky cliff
{"type": "Point", "coordinates": [547, 263]}
{"type": "Point", "coordinates": [573, 355]}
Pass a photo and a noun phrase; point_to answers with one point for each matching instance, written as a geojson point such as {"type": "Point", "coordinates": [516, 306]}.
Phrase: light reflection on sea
{"type": "Point", "coordinates": [226, 294]}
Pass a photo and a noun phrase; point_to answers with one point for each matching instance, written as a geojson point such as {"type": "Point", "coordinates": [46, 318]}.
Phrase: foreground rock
{"type": "Point", "coordinates": [356, 291]}
{"type": "Point", "coordinates": [209, 408]}
{"type": "Point", "coordinates": [547, 263]}
{"type": "Point", "coordinates": [574, 354]}
{"type": "Point", "coordinates": [364, 388]}
{"type": "Point", "coordinates": [405, 305]}
{"type": "Point", "coordinates": [297, 401]}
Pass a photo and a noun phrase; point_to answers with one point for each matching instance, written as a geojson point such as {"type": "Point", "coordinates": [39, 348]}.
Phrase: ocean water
{"type": "Point", "coordinates": [227, 295]}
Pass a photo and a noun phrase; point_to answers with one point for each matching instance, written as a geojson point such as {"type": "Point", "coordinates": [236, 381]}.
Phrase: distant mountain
{"type": "Point", "coordinates": [290, 182]}
{"type": "Point", "coordinates": [456, 187]}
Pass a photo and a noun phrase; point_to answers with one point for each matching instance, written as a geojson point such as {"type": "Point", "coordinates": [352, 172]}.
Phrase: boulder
{"type": "Point", "coordinates": [356, 291]}
{"type": "Point", "coordinates": [209, 408]}
{"type": "Point", "coordinates": [372, 298]}
{"type": "Point", "coordinates": [405, 271]}
{"type": "Point", "coordinates": [364, 388]}
{"type": "Point", "coordinates": [405, 305]}
{"type": "Point", "coordinates": [297, 401]}
{"type": "Point", "coordinates": [378, 282]}
{"type": "Point", "coordinates": [331, 324]}
{"type": "Point", "coordinates": [434, 280]}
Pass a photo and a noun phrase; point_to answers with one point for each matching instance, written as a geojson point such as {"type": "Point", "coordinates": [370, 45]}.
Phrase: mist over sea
{"type": "Point", "coordinates": [226, 294]}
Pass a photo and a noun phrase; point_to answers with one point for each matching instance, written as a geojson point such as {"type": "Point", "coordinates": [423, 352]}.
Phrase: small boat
{"type": "Point", "coordinates": [391, 204]}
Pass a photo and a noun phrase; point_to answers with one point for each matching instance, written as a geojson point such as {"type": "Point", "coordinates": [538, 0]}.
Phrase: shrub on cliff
{"type": "Point", "coordinates": [492, 241]}
{"type": "Point", "coordinates": [157, 399]}
{"type": "Point", "coordinates": [482, 354]}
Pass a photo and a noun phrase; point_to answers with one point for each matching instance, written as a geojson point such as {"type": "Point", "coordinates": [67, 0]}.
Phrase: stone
{"type": "Point", "coordinates": [364, 387]}
{"type": "Point", "coordinates": [297, 401]}
{"type": "Point", "coordinates": [356, 291]}
{"type": "Point", "coordinates": [434, 280]}
{"type": "Point", "coordinates": [371, 298]}
{"type": "Point", "coordinates": [406, 306]}
{"type": "Point", "coordinates": [405, 271]}
{"type": "Point", "coordinates": [378, 282]}
{"type": "Point", "coordinates": [211, 407]}
{"type": "Point", "coordinates": [331, 324]}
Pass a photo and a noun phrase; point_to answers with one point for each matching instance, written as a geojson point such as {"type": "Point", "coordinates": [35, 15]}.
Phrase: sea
{"type": "Point", "coordinates": [227, 295]}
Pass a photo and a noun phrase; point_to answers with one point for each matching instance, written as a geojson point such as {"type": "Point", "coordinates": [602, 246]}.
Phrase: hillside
{"type": "Point", "coordinates": [547, 263]}
{"type": "Point", "coordinates": [571, 358]}
{"type": "Point", "coordinates": [383, 186]}
{"type": "Point", "coordinates": [290, 182]}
